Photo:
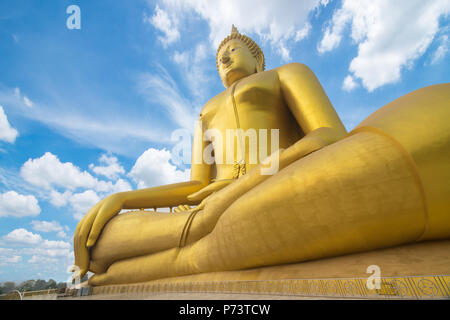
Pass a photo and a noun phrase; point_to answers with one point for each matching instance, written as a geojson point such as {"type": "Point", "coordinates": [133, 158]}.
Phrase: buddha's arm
{"type": "Point", "coordinates": [162, 196]}
{"type": "Point", "coordinates": [310, 105]}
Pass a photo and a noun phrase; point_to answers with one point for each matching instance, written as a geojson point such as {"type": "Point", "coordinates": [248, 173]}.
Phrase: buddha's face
{"type": "Point", "coordinates": [235, 62]}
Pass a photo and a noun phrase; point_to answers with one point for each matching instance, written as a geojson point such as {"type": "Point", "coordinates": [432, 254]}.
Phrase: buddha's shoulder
{"type": "Point", "coordinates": [291, 69]}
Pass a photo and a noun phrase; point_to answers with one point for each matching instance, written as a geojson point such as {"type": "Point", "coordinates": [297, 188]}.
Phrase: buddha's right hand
{"type": "Point", "coordinates": [89, 228]}
{"type": "Point", "coordinates": [209, 190]}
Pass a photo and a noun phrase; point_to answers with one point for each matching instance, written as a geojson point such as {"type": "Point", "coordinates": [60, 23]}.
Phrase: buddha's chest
{"type": "Point", "coordinates": [252, 102]}
{"type": "Point", "coordinates": [261, 90]}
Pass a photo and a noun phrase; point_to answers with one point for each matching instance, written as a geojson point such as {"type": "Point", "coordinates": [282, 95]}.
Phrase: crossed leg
{"type": "Point", "coordinates": [359, 194]}
{"type": "Point", "coordinates": [134, 234]}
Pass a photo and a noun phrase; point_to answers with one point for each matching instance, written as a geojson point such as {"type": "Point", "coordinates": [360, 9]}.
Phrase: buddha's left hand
{"type": "Point", "coordinates": [90, 227]}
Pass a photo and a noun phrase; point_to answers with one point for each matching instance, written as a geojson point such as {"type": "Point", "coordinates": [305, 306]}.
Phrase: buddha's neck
{"type": "Point", "coordinates": [235, 77]}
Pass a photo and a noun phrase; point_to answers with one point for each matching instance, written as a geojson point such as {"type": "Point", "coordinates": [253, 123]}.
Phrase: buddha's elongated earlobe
{"type": "Point", "coordinates": [259, 67]}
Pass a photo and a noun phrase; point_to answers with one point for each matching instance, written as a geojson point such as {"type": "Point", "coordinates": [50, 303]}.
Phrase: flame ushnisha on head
{"type": "Point", "coordinates": [252, 46]}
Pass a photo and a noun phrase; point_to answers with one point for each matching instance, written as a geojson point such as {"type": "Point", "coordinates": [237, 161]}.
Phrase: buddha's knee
{"type": "Point", "coordinates": [135, 234]}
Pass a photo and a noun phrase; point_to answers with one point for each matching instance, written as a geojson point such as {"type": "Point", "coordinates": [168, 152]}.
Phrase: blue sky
{"type": "Point", "coordinates": [89, 112]}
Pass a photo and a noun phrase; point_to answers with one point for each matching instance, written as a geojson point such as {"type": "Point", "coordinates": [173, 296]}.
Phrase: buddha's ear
{"type": "Point", "coordinates": [259, 67]}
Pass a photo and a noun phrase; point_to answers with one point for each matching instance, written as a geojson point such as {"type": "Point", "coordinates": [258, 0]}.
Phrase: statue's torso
{"type": "Point", "coordinates": [260, 106]}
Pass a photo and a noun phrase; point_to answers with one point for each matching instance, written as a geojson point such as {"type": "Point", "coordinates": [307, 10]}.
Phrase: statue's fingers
{"type": "Point", "coordinates": [177, 209]}
{"type": "Point", "coordinates": [196, 196]}
{"type": "Point", "coordinates": [77, 242]}
{"type": "Point", "coordinates": [82, 256]}
{"type": "Point", "coordinates": [77, 229]}
{"type": "Point", "coordinates": [186, 207]}
{"type": "Point", "coordinates": [75, 239]}
{"type": "Point", "coordinates": [107, 211]}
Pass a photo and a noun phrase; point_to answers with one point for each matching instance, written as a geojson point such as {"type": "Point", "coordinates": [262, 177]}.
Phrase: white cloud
{"type": "Point", "coordinates": [62, 234]}
{"type": "Point", "coordinates": [41, 255]}
{"type": "Point", "coordinates": [111, 169]}
{"type": "Point", "coordinates": [46, 226]}
{"type": "Point", "coordinates": [22, 236]}
{"type": "Point", "coordinates": [27, 102]}
{"type": "Point", "coordinates": [59, 199]}
{"type": "Point", "coordinates": [82, 202]}
{"type": "Point", "coordinates": [390, 35]}
{"type": "Point", "coordinates": [284, 52]}
{"type": "Point", "coordinates": [47, 248]}
{"type": "Point", "coordinates": [197, 73]}
{"type": "Point", "coordinates": [48, 171]}
{"type": "Point", "coordinates": [13, 259]}
{"type": "Point", "coordinates": [9, 259]}
{"type": "Point", "coordinates": [333, 34]}
{"type": "Point", "coordinates": [167, 25]}
{"type": "Point", "coordinates": [34, 244]}
{"type": "Point", "coordinates": [349, 83]}
{"type": "Point", "coordinates": [17, 205]}
{"type": "Point", "coordinates": [7, 133]}
{"type": "Point", "coordinates": [303, 33]}
{"type": "Point", "coordinates": [108, 187]}
{"type": "Point", "coordinates": [9, 256]}
{"type": "Point", "coordinates": [442, 50]}
{"type": "Point", "coordinates": [153, 168]}
{"type": "Point", "coordinates": [50, 244]}
{"type": "Point", "coordinates": [6, 251]}
{"type": "Point", "coordinates": [272, 21]}
{"type": "Point", "coordinates": [49, 252]}
{"type": "Point", "coordinates": [41, 259]}
{"type": "Point", "coordinates": [84, 122]}
{"type": "Point", "coordinates": [22, 98]}
{"type": "Point", "coordinates": [159, 87]}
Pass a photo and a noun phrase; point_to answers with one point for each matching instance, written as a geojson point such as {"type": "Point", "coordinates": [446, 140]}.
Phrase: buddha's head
{"type": "Point", "coordinates": [237, 57]}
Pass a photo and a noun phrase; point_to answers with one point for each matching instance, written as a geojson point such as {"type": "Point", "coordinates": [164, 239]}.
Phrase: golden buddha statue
{"type": "Point", "coordinates": [384, 184]}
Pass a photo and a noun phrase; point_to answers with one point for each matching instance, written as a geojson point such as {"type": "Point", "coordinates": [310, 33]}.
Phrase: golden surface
{"type": "Point", "coordinates": [384, 184]}
{"type": "Point", "coordinates": [413, 271]}
{"type": "Point", "coordinates": [426, 287]}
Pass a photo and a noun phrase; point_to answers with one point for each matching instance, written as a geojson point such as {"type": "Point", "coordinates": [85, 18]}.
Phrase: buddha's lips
{"type": "Point", "coordinates": [228, 64]}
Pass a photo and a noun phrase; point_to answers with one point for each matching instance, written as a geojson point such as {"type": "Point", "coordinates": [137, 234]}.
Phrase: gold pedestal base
{"type": "Point", "coordinates": [415, 271]}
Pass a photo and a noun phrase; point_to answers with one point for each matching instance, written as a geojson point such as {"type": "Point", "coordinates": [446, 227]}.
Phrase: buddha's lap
{"type": "Point", "coordinates": [346, 197]}
{"type": "Point", "coordinates": [361, 193]}
{"type": "Point", "coordinates": [166, 228]}
{"type": "Point", "coordinates": [136, 233]}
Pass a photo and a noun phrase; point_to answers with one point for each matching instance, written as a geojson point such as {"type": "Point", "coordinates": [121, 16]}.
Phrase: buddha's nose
{"type": "Point", "coordinates": [225, 59]}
